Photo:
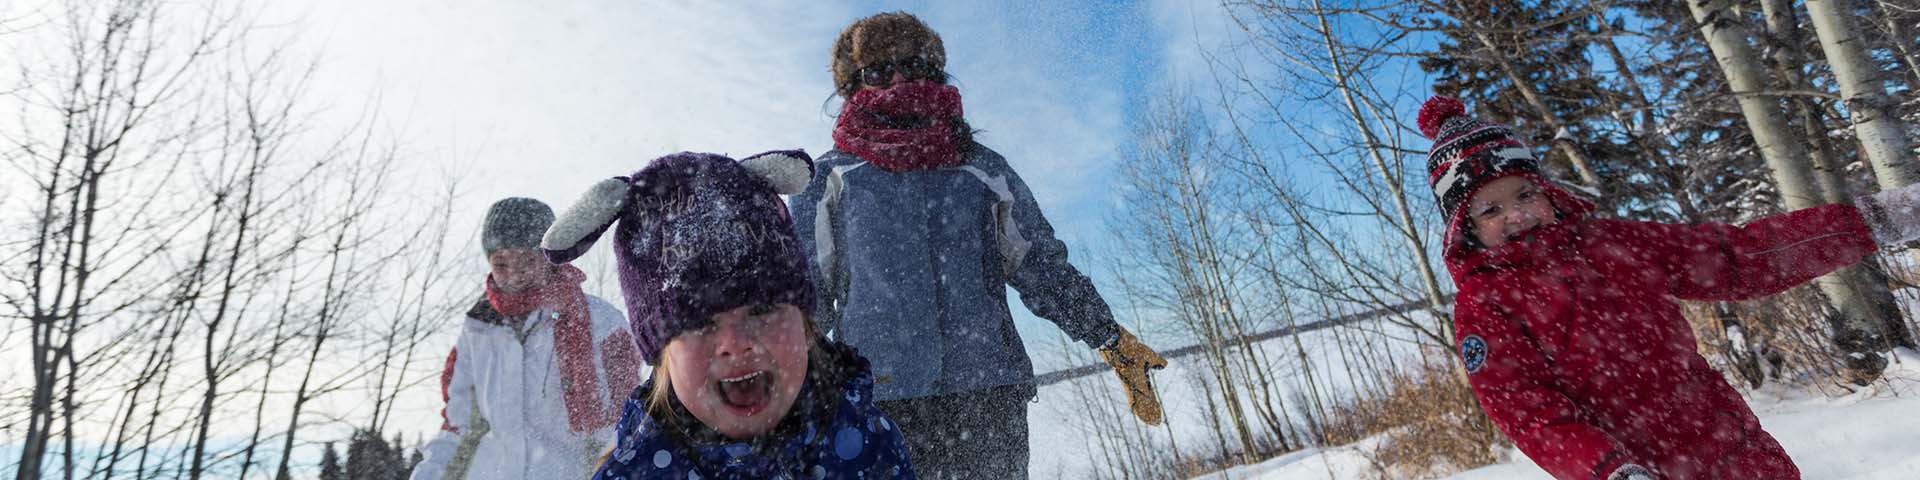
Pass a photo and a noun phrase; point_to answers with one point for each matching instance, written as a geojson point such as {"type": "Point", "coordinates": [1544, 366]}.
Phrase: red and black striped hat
{"type": "Point", "coordinates": [1467, 152]}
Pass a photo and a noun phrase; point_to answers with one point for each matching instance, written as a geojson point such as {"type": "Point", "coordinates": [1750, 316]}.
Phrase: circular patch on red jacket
{"type": "Point", "coordinates": [1473, 352]}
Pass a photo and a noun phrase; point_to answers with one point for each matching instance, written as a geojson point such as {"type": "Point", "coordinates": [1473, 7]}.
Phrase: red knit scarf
{"type": "Point", "coordinates": [906, 127]}
{"type": "Point", "coordinates": [572, 340]}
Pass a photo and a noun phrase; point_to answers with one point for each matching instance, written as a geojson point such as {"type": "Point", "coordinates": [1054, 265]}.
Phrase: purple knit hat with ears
{"type": "Point", "coordinates": [698, 234]}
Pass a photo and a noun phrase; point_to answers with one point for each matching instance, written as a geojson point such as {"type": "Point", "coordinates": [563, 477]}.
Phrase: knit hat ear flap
{"type": "Point", "coordinates": [788, 171]}
{"type": "Point", "coordinates": [581, 224]}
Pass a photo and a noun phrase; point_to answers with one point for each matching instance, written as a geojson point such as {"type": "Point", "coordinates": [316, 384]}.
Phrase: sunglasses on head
{"type": "Point", "coordinates": [910, 68]}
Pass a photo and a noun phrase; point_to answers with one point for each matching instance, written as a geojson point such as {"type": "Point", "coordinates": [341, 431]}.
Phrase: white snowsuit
{"type": "Point", "coordinates": [511, 380]}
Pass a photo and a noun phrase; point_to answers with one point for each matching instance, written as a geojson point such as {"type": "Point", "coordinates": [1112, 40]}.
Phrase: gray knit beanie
{"type": "Point", "coordinates": [515, 223]}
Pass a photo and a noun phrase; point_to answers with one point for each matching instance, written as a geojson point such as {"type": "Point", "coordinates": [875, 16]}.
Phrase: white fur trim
{"type": "Point", "coordinates": [595, 208]}
{"type": "Point", "coordinates": [788, 174]}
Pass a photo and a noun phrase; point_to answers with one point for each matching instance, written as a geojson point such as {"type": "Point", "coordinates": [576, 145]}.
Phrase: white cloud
{"type": "Point", "coordinates": [543, 99]}
{"type": "Point", "coordinates": [1185, 30]}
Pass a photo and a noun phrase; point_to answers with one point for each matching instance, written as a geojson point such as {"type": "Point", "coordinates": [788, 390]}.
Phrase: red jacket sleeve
{"type": "Point", "coordinates": [1765, 257]}
{"type": "Point", "coordinates": [1513, 381]}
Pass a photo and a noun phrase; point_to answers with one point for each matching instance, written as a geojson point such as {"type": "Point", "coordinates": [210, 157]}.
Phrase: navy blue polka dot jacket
{"type": "Point", "coordinates": [834, 431]}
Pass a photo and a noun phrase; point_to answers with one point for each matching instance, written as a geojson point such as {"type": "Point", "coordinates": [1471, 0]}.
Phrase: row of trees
{"type": "Point", "coordinates": [1289, 186]}
{"type": "Point", "coordinates": [189, 249]}
{"type": "Point", "coordinates": [369, 457]}
{"type": "Point", "coordinates": [192, 258]}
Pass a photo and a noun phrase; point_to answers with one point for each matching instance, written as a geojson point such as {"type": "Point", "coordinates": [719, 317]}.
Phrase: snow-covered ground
{"type": "Point", "coordinates": [1070, 420]}
{"type": "Point", "coordinates": [1873, 434]}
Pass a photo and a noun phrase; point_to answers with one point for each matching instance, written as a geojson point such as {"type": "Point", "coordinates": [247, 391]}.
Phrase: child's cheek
{"type": "Point", "coordinates": [790, 356]}
{"type": "Point", "coordinates": [687, 367]}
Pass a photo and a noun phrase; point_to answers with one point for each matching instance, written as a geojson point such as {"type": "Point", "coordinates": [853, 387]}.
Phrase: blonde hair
{"type": "Point", "coordinates": [657, 400]}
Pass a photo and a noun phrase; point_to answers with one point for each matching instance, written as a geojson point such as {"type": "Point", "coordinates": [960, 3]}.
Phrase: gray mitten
{"type": "Point", "coordinates": [1894, 215]}
{"type": "Point", "coordinates": [1631, 472]}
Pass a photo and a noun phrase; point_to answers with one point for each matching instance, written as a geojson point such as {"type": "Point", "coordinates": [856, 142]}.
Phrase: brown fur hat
{"type": "Point", "coordinates": [882, 37]}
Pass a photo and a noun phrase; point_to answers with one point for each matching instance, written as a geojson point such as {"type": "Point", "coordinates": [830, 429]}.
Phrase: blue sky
{"type": "Point", "coordinates": [540, 100]}
{"type": "Point", "coordinates": [543, 99]}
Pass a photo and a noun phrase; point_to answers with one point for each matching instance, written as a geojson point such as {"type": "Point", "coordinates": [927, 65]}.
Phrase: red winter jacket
{"type": "Point", "coordinates": [1575, 348]}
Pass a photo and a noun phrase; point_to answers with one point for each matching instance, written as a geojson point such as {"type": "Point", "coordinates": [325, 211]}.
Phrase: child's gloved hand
{"type": "Point", "coordinates": [1130, 360]}
{"type": "Point", "coordinates": [1894, 215]}
{"type": "Point", "coordinates": [1631, 472]}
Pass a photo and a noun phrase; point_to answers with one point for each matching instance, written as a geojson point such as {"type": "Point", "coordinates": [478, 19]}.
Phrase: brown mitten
{"type": "Point", "coordinates": [1130, 360]}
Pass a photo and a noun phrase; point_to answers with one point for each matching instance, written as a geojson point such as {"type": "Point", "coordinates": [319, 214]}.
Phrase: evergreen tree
{"type": "Point", "coordinates": [1635, 88]}
{"type": "Point", "coordinates": [1527, 65]}
{"type": "Point", "coordinates": [330, 464]}
{"type": "Point", "coordinates": [371, 458]}
{"type": "Point", "coordinates": [1692, 118]}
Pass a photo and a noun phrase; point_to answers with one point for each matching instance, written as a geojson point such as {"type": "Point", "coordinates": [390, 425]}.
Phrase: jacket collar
{"type": "Point", "coordinates": [838, 386]}
{"type": "Point", "coordinates": [483, 311]}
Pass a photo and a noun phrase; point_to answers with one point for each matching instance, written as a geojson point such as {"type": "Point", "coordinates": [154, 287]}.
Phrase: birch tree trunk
{"type": "Point", "coordinates": [1882, 136]}
{"type": "Point", "coordinates": [1892, 168]}
{"type": "Point", "coordinates": [1403, 222]}
{"type": "Point", "coordinates": [1859, 328]}
{"type": "Point", "coordinates": [1183, 274]}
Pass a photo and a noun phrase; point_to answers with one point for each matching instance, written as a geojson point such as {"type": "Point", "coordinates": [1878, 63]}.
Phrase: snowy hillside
{"type": "Point", "coordinates": [1870, 435]}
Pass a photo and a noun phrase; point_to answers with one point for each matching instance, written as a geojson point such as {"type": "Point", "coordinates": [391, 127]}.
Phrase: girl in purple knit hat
{"type": "Point", "coordinates": [718, 296]}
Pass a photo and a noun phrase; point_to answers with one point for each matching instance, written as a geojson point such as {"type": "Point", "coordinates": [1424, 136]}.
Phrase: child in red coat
{"type": "Point", "coordinates": [1566, 323]}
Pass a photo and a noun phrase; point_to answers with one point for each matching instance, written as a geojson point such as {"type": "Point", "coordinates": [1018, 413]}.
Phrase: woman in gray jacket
{"type": "Point", "coordinates": [915, 231]}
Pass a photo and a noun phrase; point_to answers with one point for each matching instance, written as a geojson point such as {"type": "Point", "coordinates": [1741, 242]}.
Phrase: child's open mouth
{"type": "Point", "coordinates": [1524, 235]}
{"type": "Point", "coordinates": [746, 394]}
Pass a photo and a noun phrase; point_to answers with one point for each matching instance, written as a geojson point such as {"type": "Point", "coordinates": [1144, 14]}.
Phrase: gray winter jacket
{"type": "Point", "coordinates": [913, 269]}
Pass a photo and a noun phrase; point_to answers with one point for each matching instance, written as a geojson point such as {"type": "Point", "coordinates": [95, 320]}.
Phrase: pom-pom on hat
{"type": "Point", "coordinates": [879, 38]}
{"type": "Point", "coordinates": [698, 234]}
{"type": "Point", "coordinates": [1467, 152]}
